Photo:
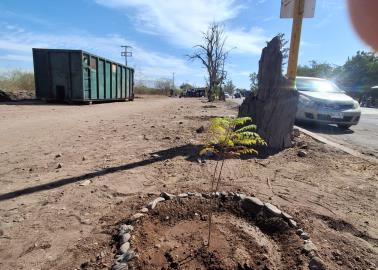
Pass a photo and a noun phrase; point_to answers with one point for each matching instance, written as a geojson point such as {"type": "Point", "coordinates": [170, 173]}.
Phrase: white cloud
{"type": "Point", "coordinates": [251, 41]}
{"type": "Point", "coordinates": [16, 57]}
{"type": "Point", "coordinates": [18, 47]}
{"type": "Point", "coordinates": [182, 22]}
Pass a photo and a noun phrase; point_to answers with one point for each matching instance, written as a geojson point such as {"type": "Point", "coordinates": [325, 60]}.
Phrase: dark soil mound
{"type": "Point", "coordinates": [174, 236]}
{"type": "Point", "coordinates": [4, 96]}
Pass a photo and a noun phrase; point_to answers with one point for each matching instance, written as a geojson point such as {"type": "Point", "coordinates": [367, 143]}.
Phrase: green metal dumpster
{"type": "Point", "coordinates": [78, 76]}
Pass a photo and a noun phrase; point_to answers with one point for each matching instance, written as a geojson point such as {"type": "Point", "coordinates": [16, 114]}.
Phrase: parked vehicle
{"type": "Point", "coordinates": [322, 101]}
{"type": "Point", "coordinates": [195, 92]}
{"type": "Point", "coordinates": [237, 95]}
{"type": "Point", "coordinates": [226, 95]}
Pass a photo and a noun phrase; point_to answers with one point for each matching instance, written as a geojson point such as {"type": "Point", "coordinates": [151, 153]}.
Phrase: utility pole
{"type": "Point", "coordinates": [126, 53]}
{"type": "Point", "coordinates": [297, 10]}
{"type": "Point", "coordinates": [295, 41]}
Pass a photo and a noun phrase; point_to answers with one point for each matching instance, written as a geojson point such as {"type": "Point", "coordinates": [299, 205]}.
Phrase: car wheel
{"type": "Point", "coordinates": [344, 126]}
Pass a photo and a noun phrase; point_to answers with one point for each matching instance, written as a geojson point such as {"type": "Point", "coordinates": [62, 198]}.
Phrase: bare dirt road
{"type": "Point", "coordinates": [69, 174]}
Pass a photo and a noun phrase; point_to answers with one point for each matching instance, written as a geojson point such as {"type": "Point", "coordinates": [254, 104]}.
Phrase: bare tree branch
{"type": "Point", "coordinates": [212, 55]}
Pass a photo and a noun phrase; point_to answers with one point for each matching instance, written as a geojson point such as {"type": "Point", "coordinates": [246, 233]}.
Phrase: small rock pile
{"type": "Point", "coordinates": [250, 205]}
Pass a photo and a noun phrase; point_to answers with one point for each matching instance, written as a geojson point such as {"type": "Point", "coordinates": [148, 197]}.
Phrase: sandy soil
{"type": "Point", "coordinates": [52, 217]}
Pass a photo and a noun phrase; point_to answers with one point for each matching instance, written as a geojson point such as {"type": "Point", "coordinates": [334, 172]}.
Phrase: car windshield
{"type": "Point", "coordinates": [317, 86]}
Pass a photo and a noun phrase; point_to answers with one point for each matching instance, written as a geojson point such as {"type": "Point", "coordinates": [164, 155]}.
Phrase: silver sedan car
{"type": "Point", "coordinates": [321, 101]}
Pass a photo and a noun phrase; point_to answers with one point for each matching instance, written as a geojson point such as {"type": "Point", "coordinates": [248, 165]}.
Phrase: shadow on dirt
{"type": "Point", "coordinates": [343, 226]}
{"type": "Point", "coordinates": [189, 151]}
{"type": "Point", "coordinates": [38, 102]}
{"type": "Point", "coordinates": [31, 102]}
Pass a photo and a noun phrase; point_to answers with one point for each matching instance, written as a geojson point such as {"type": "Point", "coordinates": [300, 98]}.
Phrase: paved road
{"type": "Point", "coordinates": [362, 137]}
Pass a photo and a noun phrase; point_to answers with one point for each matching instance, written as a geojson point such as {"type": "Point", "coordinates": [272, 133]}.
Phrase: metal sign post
{"type": "Point", "coordinates": [296, 9]}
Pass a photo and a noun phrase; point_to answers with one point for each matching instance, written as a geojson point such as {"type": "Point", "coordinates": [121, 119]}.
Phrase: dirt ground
{"type": "Point", "coordinates": [173, 237]}
{"type": "Point", "coordinates": [70, 174]}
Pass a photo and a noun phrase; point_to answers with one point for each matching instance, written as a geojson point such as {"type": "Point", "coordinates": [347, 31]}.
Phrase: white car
{"type": "Point", "coordinates": [322, 101]}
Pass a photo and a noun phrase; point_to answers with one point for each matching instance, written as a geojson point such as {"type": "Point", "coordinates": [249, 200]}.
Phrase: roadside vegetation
{"type": "Point", "coordinates": [357, 75]}
{"type": "Point", "coordinates": [228, 138]}
{"type": "Point", "coordinates": [17, 83]}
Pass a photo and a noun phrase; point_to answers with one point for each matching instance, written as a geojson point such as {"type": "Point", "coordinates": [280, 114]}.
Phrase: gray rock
{"type": "Point", "coordinates": [206, 195]}
{"type": "Point", "coordinates": [167, 196]}
{"type": "Point", "coordinates": [302, 153]}
{"type": "Point", "coordinates": [85, 183]}
{"type": "Point", "coordinates": [251, 205]}
{"type": "Point", "coordinates": [240, 196]}
{"type": "Point", "coordinates": [60, 165]}
{"type": "Point", "coordinates": [309, 246]}
{"type": "Point", "coordinates": [144, 210]}
{"type": "Point", "coordinates": [119, 258]}
{"type": "Point", "coordinates": [190, 194]}
{"type": "Point", "coordinates": [58, 155]}
{"type": "Point", "coordinates": [120, 266]}
{"type": "Point", "coordinates": [155, 156]}
{"type": "Point", "coordinates": [125, 228]}
{"type": "Point", "coordinates": [286, 216]}
{"type": "Point", "coordinates": [124, 248]}
{"type": "Point", "coordinates": [299, 231]}
{"type": "Point", "coordinates": [316, 264]}
{"type": "Point", "coordinates": [304, 236]}
{"type": "Point", "coordinates": [152, 205]}
{"type": "Point", "coordinates": [125, 238]}
{"type": "Point", "coordinates": [292, 223]}
{"type": "Point", "coordinates": [136, 216]}
{"type": "Point", "coordinates": [197, 194]}
{"type": "Point", "coordinates": [223, 194]}
{"type": "Point", "coordinates": [129, 255]}
{"type": "Point", "coordinates": [182, 195]}
{"type": "Point", "coordinates": [273, 210]}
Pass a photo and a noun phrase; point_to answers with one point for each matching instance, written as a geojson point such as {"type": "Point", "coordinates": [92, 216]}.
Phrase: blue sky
{"type": "Point", "coordinates": [163, 32]}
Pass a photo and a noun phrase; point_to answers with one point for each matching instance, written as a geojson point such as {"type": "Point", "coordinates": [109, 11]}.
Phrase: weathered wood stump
{"type": "Point", "coordinates": [274, 106]}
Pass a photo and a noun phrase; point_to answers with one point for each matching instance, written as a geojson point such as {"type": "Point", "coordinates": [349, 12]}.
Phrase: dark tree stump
{"type": "Point", "coordinates": [274, 106]}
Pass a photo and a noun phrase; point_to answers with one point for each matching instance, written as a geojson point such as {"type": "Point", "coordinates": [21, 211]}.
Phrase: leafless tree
{"type": "Point", "coordinates": [163, 84]}
{"type": "Point", "coordinates": [212, 55]}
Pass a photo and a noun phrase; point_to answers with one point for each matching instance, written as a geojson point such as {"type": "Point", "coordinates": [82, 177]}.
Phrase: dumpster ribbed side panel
{"type": "Point", "coordinates": [113, 81]}
{"type": "Point", "coordinates": [93, 77]}
{"type": "Point", "coordinates": [101, 79]}
{"type": "Point", "coordinates": [75, 75]}
{"type": "Point", "coordinates": [123, 82]}
{"type": "Point", "coordinates": [107, 80]}
{"type": "Point", "coordinates": [119, 76]}
{"type": "Point", "coordinates": [128, 83]}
